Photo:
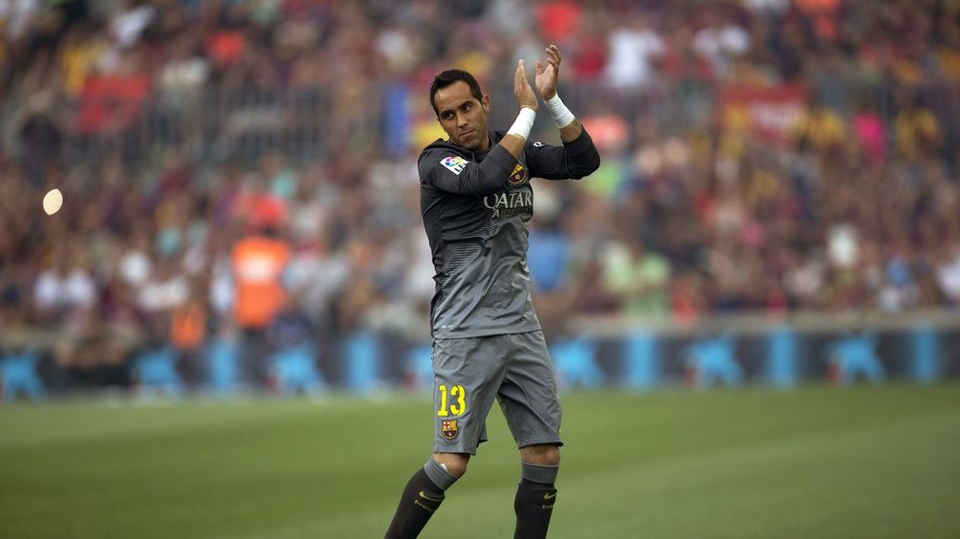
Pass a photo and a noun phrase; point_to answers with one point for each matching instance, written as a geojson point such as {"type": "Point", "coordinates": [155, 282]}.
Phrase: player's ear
{"type": "Point", "coordinates": [485, 102]}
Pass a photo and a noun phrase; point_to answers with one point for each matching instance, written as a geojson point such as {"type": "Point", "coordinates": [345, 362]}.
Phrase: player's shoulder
{"type": "Point", "coordinates": [440, 146]}
{"type": "Point", "coordinates": [441, 156]}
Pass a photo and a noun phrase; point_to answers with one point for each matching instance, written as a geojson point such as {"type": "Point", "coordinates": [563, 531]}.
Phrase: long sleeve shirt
{"type": "Point", "coordinates": [475, 208]}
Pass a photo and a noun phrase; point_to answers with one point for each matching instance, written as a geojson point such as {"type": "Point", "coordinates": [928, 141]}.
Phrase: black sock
{"type": "Point", "coordinates": [534, 506]}
{"type": "Point", "coordinates": [420, 499]}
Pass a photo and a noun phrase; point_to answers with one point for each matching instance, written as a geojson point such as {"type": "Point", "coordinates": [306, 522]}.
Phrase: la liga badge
{"type": "Point", "coordinates": [448, 429]}
{"type": "Point", "coordinates": [455, 163]}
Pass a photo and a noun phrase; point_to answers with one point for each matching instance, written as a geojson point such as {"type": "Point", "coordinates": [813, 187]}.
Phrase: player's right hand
{"type": "Point", "coordinates": [522, 90]}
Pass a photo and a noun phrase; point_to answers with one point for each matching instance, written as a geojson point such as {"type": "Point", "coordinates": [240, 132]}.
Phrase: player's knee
{"type": "Point", "coordinates": [542, 455]}
{"type": "Point", "coordinates": [454, 463]}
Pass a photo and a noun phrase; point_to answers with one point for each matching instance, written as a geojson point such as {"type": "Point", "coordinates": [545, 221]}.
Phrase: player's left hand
{"type": "Point", "coordinates": [546, 78]}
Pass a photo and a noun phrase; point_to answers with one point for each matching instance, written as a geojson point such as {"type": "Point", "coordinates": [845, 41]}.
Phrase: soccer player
{"type": "Point", "coordinates": [476, 198]}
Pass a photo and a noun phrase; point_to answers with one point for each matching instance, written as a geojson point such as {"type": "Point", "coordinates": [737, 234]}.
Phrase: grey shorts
{"type": "Point", "coordinates": [470, 373]}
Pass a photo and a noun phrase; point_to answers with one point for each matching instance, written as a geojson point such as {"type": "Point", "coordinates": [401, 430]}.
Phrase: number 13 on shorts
{"type": "Point", "coordinates": [453, 400]}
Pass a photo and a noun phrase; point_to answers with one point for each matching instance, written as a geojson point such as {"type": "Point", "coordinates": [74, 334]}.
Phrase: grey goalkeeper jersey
{"type": "Point", "coordinates": [475, 208]}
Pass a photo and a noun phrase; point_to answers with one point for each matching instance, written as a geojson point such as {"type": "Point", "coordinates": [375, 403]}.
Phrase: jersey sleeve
{"type": "Point", "coordinates": [445, 170]}
{"type": "Point", "coordinates": [572, 160]}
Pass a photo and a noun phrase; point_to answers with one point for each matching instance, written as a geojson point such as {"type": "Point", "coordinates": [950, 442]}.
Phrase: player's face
{"type": "Point", "coordinates": [462, 116]}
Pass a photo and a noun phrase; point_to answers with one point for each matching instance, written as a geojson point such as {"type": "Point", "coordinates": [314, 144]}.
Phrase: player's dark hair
{"type": "Point", "coordinates": [449, 77]}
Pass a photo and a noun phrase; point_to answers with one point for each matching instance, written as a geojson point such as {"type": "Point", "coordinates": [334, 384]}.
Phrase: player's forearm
{"type": "Point", "coordinates": [484, 177]}
{"type": "Point", "coordinates": [583, 158]}
{"type": "Point", "coordinates": [513, 144]}
{"type": "Point", "coordinates": [571, 131]}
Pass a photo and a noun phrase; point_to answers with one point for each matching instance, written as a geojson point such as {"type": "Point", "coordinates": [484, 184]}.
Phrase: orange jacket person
{"type": "Point", "coordinates": [259, 262]}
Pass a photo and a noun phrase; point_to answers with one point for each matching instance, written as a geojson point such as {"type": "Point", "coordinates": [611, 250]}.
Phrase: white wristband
{"type": "Point", "coordinates": [521, 128]}
{"type": "Point", "coordinates": [561, 114]}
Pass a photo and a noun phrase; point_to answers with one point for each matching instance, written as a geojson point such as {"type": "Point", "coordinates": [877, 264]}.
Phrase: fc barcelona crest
{"type": "Point", "coordinates": [448, 428]}
{"type": "Point", "coordinates": [518, 175]}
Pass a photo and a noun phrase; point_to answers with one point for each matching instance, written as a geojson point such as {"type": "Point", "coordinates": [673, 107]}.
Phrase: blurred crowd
{"type": "Point", "coordinates": [854, 203]}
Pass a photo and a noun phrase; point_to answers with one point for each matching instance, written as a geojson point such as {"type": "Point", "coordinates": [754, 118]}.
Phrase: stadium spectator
{"type": "Point", "coordinates": [916, 129]}
{"type": "Point", "coordinates": [552, 262]}
{"type": "Point", "coordinates": [41, 135]}
{"type": "Point", "coordinates": [820, 128]}
{"type": "Point", "coordinates": [633, 47]}
{"type": "Point", "coordinates": [871, 130]}
{"type": "Point", "coordinates": [259, 262]}
{"type": "Point", "coordinates": [93, 354]}
{"type": "Point", "coordinates": [721, 40]}
{"type": "Point", "coordinates": [128, 24]}
{"type": "Point", "coordinates": [166, 288]}
{"type": "Point", "coordinates": [64, 288]}
{"type": "Point", "coordinates": [639, 277]}
{"type": "Point", "coordinates": [189, 330]}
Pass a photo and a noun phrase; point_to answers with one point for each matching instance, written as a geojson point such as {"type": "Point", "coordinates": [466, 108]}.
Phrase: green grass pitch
{"type": "Point", "coordinates": [812, 462]}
